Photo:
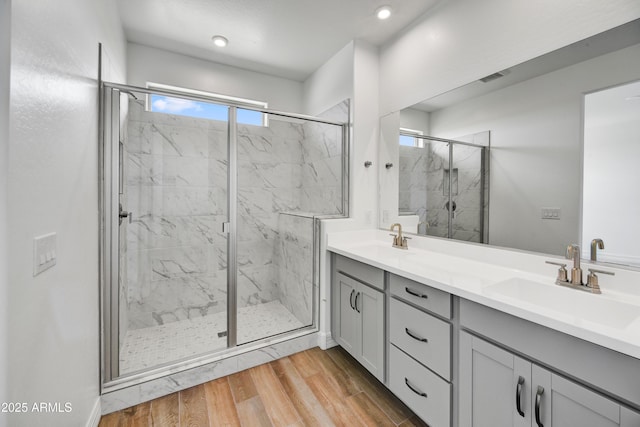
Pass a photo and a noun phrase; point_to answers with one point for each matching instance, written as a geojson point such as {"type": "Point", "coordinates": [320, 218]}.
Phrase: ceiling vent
{"type": "Point", "coordinates": [493, 76]}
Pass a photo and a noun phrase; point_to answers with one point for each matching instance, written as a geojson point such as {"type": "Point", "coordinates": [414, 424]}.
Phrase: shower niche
{"type": "Point", "coordinates": [210, 225]}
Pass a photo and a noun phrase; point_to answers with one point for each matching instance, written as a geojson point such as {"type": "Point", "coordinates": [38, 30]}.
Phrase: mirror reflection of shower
{"type": "Point", "coordinates": [444, 185]}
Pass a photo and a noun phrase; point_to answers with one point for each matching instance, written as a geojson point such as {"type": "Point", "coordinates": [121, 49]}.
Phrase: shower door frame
{"type": "Point", "coordinates": [109, 181]}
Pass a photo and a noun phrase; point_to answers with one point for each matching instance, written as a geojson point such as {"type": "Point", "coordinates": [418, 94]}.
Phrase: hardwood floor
{"type": "Point", "coordinates": [311, 388]}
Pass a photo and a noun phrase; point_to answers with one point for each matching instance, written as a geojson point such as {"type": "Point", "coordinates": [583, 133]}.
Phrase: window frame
{"type": "Point", "coordinates": [417, 142]}
{"type": "Point", "coordinates": [242, 103]}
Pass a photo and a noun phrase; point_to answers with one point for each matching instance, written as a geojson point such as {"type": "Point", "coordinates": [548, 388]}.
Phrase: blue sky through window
{"type": "Point", "coordinates": [409, 141]}
{"type": "Point", "coordinates": [202, 110]}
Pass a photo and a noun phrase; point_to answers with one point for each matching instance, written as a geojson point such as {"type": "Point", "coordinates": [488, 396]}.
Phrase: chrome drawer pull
{"type": "Point", "coordinates": [518, 396]}
{"type": "Point", "coordinates": [415, 293]}
{"type": "Point", "coordinates": [539, 394]}
{"type": "Point", "coordinates": [414, 336]}
{"type": "Point", "coordinates": [414, 389]}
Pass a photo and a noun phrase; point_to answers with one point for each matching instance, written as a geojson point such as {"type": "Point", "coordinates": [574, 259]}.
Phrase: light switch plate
{"type": "Point", "coordinates": [44, 253]}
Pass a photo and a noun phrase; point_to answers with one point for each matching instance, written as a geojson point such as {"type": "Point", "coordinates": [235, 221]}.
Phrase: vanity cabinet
{"type": "Point", "coordinates": [358, 313]}
{"type": "Point", "coordinates": [420, 351]}
{"type": "Point", "coordinates": [501, 389]}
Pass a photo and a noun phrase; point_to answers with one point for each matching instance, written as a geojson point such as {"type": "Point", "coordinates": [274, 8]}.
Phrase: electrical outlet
{"type": "Point", "coordinates": [44, 253]}
{"type": "Point", "coordinates": [550, 213]}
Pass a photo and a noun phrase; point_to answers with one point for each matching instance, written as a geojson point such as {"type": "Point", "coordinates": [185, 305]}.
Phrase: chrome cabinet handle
{"type": "Point", "coordinates": [351, 299]}
{"type": "Point", "coordinates": [357, 295]}
{"type": "Point", "coordinates": [414, 336]}
{"type": "Point", "coordinates": [539, 394]}
{"type": "Point", "coordinates": [519, 395]}
{"type": "Point", "coordinates": [414, 389]}
{"type": "Point", "coordinates": [415, 293]}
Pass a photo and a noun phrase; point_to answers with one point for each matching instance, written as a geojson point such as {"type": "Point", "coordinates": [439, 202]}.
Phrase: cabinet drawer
{"type": "Point", "coordinates": [410, 326]}
{"type": "Point", "coordinates": [428, 395]}
{"type": "Point", "coordinates": [424, 296]}
{"type": "Point", "coordinates": [358, 270]}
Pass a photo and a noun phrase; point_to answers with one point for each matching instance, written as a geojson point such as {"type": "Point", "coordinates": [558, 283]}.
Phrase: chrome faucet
{"type": "Point", "coordinates": [595, 245]}
{"type": "Point", "coordinates": [399, 241]}
{"type": "Point", "coordinates": [573, 252]}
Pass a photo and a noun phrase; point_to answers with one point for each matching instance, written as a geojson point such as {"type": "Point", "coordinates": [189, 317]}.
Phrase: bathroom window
{"type": "Point", "coordinates": [205, 110]}
{"type": "Point", "coordinates": [409, 140]}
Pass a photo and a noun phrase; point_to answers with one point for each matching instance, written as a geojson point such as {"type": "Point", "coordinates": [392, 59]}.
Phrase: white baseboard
{"type": "Point", "coordinates": [94, 417]}
{"type": "Point", "coordinates": [325, 341]}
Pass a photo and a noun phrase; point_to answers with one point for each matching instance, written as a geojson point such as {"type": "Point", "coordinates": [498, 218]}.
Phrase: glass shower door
{"type": "Point", "coordinates": [173, 251]}
{"type": "Point", "coordinates": [274, 237]}
{"type": "Point", "coordinates": [468, 204]}
{"type": "Point", "coordinates": [437, 188]}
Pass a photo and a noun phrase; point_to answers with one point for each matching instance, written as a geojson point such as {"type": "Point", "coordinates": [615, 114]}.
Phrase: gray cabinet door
{"type": "Point", "coordinates": [347, 327]}
{"type": "Point", "coordinates": [490, 378]}
{"type": "Point", "coordinates": [360, 323]}
{"type": "Point", "coordinates": [564, 403]}
{"type": "Point", "coordinates": [370, 307]}
{"type": "Point", "coordinates": [494, 386]}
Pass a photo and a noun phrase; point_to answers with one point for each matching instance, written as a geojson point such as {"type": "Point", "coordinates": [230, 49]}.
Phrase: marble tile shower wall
{"type": "Point", "coordinates": [176, 186]}
{"type": "Point", "coordinates": [413, 182]}
{"type": "Point", "coordinates": [295, 264]}
{"type": "Point", "coordinates": [321, 186]}
{"type": "Point", "coordinates": [269, 176]}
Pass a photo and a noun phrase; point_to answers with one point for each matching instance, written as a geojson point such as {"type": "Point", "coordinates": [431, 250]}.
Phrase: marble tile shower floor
{"type": "Point", "coordinates": [149, 347]}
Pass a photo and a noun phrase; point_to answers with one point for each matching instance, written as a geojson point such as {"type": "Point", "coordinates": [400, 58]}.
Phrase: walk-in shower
{"type": "Point", "coordinates": [445, 183]}
{"type": "Point", "coordinates": [209, 224]}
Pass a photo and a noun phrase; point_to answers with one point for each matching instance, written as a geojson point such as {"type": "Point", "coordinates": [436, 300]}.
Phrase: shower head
{"type": "Point", "coordinates": [131, 94]}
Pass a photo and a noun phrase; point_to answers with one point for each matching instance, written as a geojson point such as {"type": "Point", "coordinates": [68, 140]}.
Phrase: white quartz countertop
{"type": "Point", "coordinates": [516, 283]}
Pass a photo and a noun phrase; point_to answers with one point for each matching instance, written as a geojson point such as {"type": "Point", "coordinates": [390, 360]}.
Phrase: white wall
{"type": "Point", "coordinates": [411, 118]}
{"type": "Point", "coordinates": [611, 200]}
{"type": "Point", "coordinates": [147, 64]}
{"type": "Point", "coordinates": [364, 186]}
{"type": "Point", "coordinates": [53, 187]}
{"type": "Point", "coordinates": [351, 73]}
{"type": "Point", "coordinates": [5, 58]}
{"type": "Point", "coordinates": [463, 40]}
{"type": "Point", "coordinates": [536, 148]}
{"type": "Point", "coordinates": [330, 84]}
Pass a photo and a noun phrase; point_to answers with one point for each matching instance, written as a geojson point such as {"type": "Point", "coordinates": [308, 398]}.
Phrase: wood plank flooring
{"type": "Point", "coordinates": [310, 388]}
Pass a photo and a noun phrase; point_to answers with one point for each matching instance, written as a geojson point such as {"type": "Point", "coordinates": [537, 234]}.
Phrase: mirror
{"type": "Point", "coordinates": [532, 119]}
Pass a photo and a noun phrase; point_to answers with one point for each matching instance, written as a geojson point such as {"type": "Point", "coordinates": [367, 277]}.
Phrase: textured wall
{"type": "Point", "coordinates": [5, 59]}
{"type": "Point", "coordinates": [53, 187]}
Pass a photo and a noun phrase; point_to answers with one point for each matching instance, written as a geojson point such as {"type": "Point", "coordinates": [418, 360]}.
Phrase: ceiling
{"type": "Point", "coordinates": [286, 38]}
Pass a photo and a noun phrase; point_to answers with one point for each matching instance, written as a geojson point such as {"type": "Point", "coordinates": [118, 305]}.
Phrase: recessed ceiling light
{"type": "Point", "coordinates": [220, 41]}
{"type": "Point", "coordinates": [383, 13]}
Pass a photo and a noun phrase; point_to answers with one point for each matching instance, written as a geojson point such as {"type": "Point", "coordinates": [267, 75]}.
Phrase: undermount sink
{"type": "Point", "coordinates": [570, 304]}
